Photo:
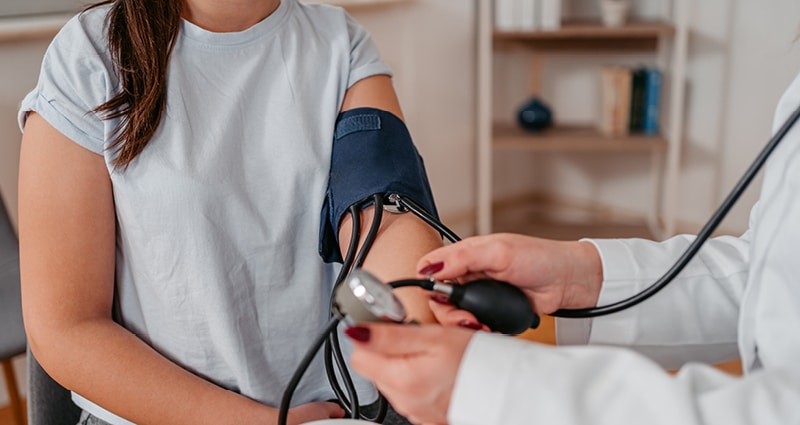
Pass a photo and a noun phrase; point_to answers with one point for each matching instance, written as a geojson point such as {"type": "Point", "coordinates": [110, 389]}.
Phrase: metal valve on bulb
{"type": "Point", "coordinates": [502, 307]}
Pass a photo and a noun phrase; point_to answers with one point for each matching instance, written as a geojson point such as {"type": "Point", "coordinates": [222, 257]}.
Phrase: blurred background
{"type": "Point", "coordinates": [740, 57]}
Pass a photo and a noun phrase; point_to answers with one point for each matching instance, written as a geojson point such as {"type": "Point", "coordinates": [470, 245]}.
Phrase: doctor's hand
{"type": "Point", "coordinates": [415, 367]}
{"type": "Point", "coordinates": [554, 274]}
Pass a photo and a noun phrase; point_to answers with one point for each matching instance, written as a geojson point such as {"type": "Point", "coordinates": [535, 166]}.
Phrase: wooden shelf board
{"type": "Point", "coordinates": [588, 36]}
{"type": "Point", "coordinates": [572, 139]}
{"type": "Point", "coordinates": [593, 30]}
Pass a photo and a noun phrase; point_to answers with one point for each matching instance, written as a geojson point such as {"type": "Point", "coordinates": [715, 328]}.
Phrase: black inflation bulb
{"type": "Point", "coordinates": [499, 305]}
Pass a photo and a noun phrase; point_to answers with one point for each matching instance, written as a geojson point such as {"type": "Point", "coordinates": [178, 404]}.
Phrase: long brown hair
{"type": "Point", "coordinates": [141, 35]}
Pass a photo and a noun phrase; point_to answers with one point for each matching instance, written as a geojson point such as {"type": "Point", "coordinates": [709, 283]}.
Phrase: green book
{"type": "Point", "coordinates": [638, 81]}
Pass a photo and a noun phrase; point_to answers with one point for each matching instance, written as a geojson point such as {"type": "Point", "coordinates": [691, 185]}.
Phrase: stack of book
{"type": "Point", "coordinates": [630, 101]}
{"type": "Point", "coordinates": [527, 15]}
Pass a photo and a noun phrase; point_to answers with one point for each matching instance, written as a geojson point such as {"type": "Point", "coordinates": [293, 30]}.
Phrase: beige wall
{"type": "Point", "coordinates": [430, 46]}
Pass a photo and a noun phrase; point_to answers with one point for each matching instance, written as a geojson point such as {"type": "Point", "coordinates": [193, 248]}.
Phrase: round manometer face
{"type": "Point", "coordinates": [375, 296]}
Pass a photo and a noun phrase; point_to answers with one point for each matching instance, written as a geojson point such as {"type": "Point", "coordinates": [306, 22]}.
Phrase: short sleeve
{"type": "Point", "coordinates": [365, 59]}
{"type": "Point", "coordinates": [75, 78]}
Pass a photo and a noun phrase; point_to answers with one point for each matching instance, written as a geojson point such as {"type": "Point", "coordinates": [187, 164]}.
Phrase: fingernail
{"type": "Point", "coordinates": [470, 325]}
{"type": "Point", "coordinates": [358, 333]}
{"type": "Point", "coordinates": [440, 299]}
{"type": "Point", "coordinates": [432, 268]}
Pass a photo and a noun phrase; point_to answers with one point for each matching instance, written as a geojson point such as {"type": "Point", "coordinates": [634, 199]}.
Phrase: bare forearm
{"type": "Point", "coordinates": [402, 240]}
{"type": "Point", "coordinates": [111, 367]}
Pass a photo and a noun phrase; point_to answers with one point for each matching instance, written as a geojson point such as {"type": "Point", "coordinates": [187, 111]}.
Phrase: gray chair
{"type": "Point", "coordinates": [12, 338]}
{"type": "Point", "coordinates": [48, 402]}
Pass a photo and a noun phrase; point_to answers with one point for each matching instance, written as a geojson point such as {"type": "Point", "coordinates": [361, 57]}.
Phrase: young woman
{"type": "Point", "coordinates": [174, 163]}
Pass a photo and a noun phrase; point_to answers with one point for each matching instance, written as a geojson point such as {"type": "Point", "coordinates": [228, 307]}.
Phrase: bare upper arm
{"type": "Point", "coordinates": [376, 91]}
{"type": "Point", "coordinates": [66, 228]}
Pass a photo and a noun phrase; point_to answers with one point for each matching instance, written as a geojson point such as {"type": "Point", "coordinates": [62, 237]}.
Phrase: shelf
{"type": "Point", "coordinates": [572, 139]}
{"type": "Point", "coordinates": [588, 36]}
{"type": "Point", "coordinates": [664, 40]}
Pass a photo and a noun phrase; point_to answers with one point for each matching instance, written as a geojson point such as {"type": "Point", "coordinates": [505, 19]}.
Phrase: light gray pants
{"type": "Point", "coordinates": [87, 419]}
{"type": "Point", "coordinates": [392, 417]}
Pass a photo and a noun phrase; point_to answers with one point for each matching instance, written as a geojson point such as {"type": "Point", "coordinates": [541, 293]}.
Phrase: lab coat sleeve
{"type": "Point", "coordinates": [508, 381]}
{"type": "Point", "coordinates": [693, 319]}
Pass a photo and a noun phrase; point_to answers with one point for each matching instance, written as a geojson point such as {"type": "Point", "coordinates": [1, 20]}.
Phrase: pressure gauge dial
{"type": "Point", "coordinates": [364, 298]}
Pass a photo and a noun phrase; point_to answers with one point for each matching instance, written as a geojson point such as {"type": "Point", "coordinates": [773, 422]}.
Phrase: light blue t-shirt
{"type": "Point", "coordinates": [218, 218]}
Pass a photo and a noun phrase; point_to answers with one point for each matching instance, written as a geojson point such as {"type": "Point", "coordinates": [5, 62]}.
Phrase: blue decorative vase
{"type": "Point", "coordinates": [534, 115]}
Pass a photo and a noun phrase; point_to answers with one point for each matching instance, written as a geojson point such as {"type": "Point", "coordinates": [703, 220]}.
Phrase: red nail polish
{"type": "Point", "coordinates": [432, 268]}
{"type": "Point", "coordinates": [358, 333]}
{"type": "Point", "coordinates": [440, 299]}
{"type": "Point", "coordinates": [470, 325]}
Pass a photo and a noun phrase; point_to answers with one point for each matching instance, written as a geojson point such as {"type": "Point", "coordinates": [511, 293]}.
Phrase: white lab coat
{"type": "Point", "coordinates": [740, 297]}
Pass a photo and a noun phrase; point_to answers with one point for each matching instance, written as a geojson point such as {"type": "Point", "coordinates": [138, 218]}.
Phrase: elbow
{"type": "Point", "coordinates": [56, 340]}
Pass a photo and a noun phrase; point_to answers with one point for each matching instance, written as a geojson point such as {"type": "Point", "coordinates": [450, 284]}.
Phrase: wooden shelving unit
{"type": "Point", "coordinates": [665, 38]}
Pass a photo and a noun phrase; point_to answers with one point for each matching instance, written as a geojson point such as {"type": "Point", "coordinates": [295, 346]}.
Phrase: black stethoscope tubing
{"type": "Point", "coordinates": [330, 337]}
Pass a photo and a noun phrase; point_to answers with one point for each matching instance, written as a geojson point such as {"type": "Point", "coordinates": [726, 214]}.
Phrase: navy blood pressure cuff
{"type": "Point", "coordinates": [372, 153]}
